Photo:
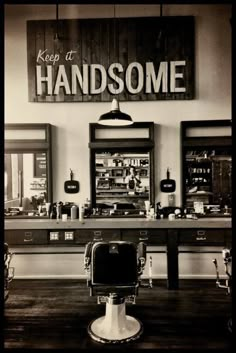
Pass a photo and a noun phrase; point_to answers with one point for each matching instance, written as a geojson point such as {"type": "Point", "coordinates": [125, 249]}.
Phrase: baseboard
{"type": "Point", "coordinates": [84, 277]}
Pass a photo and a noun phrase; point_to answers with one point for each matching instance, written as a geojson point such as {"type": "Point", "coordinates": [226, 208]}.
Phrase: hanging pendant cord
{"type": "Point", "coordinates": [57, 20]}
{"type": "Point", "coordinates": [115, 38]}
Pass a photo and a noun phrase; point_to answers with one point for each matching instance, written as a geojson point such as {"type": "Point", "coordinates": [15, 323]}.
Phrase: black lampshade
{"type": "Point", "coordinates": [115, 117]}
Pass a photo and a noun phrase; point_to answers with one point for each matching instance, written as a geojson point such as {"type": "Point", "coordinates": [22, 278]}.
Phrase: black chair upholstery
{"type": "Point", "coordinates": [114, 264]}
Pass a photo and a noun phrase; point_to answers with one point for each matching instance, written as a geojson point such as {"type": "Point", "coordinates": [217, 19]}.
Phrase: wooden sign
{"type": "Point", "coordinates": [147, 58]}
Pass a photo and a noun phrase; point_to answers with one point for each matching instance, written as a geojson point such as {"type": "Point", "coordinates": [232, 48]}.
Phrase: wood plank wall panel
{"type": "Point", "coordinates": [49, 42]}
{"type": "Point", "coordinates": [96, 52]}
{"type": "Point", "coordinates": [31, 50]}
{"type": "Point", "coordinates": [40, 44]}
{"type": "Point", "coordinates": [107, 41]}
{"type": "Point", "coordinates": [123, 52]}
{"type": "Point", "coordinates": [86, 50]}
{"type": "Point", "coordinates": [106, 45]}
{"type": "Point", "coordinates": [132, 56]}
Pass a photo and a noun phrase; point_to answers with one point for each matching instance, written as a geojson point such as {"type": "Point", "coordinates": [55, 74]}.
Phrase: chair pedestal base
{"type": "Point", "coordinates": [115, 326]}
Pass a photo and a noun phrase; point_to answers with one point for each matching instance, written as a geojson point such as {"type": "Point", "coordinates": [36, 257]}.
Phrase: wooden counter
{"type": "Point", "coordinates": [35, 234]}
{"type": "Point", "coordinates": [121, 223]}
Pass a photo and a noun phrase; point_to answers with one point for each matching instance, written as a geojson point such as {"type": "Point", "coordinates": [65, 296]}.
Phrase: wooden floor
{"type": "Point", "coordinates": [54, 314]}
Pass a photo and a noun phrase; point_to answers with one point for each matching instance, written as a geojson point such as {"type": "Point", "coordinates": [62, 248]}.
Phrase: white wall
{"type": "Point", "coordinates": [70, 265]}
{"type": "Point", "coordinates": [71, 120]}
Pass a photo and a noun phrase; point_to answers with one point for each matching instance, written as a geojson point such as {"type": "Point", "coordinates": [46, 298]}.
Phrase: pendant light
{"type": "Point", "coordinates": [115, 117]}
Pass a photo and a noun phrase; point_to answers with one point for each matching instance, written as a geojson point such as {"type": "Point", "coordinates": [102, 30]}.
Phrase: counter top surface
{"type": "Point", "coordinates": [121, 223]}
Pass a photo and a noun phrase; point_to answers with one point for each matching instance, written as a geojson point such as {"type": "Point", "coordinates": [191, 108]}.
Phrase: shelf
{"type": "Point", "coordinates": [111, 190]}
{"type": "Point", "coordinates": [38, 189]}
{"type": "Point", "coordinates": [122, 157]}
{"type": "Point", "coordinates": [198, 160]}
{"type": "Point", "coordinates": [131, 215]}
{"type": "Point", "coordinates": [119, 177]}
{"type": "Point", "coordinates": [196, 174]}
{"type": "Point", "coordinates": [199, 193]}
{"type": "Point", "coordinates": [121, 167]}
{"type": "Point", "coordinates": [121, 196]}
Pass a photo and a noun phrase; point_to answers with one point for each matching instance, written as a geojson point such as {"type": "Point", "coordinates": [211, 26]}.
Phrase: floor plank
{"type": "Point", "coordinates": [54, 314]}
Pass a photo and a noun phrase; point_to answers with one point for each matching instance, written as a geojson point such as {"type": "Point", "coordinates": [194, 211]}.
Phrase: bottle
{"type": "Point", "coordinates": [58, 209]}
{"type": "Point", "coordinates": [158, 211]}
{"type": "Point", "coordinates": [81, 212]}
{"type": "Point", "coordinates": [87, 208]}
{"type": "Point", "coordinates": [171, 200]}
{"type": "Point", "coordinates": [73, 212]}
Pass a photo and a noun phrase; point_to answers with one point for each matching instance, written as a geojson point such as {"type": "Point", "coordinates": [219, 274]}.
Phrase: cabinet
{"type": "Point", "coordinates": [150, 236]}
{"type": "Point", "coordinates": [206, 163]}
{"type": "Point", "coordinates": [202, 237]}
{"type": "Point", "coordinates": [63, 239]}
{"type": "Point", "coordinates": [122, 169]}
{"type": "Point", "coordinates": [26, 237]}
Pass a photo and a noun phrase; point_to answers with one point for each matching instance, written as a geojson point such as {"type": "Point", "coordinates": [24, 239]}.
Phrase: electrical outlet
{"type": "Point", "coordinates": [69, 235]}
{"type": "Point", "coordinates": [54, 236]}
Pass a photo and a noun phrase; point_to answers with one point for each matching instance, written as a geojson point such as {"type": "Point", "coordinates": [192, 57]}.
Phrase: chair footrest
{"type": "Point", "coordinates": [130, 299]}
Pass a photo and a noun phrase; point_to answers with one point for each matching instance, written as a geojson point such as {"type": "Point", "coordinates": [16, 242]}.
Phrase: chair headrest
{"type": "Point", "coordinates": [114, 263]}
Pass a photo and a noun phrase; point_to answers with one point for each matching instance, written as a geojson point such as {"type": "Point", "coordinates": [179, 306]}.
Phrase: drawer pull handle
{"type": "Point", "coordinates": [28, 236]}
{"type": "Point", "coordinates": [97, 233]}
{"type": "Point", "coordinates": [200, 238]}
{"type": "Point", "coordinates": [201, 232]}
{"type": "Point", "coordinates": [143, 232]}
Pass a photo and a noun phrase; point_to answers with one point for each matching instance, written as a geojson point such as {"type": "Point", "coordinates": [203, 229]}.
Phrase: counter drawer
{"type": "Point", "coordinates": [150, 236]}
{"type": "Point", "coordinates": [26, 237]}
{"type": "Point", "coordinates": [202, 236]}
{"type": "Point", "coordinates": [86, 235]}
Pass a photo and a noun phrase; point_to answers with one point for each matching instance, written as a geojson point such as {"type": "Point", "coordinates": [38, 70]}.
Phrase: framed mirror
{"type": "Point", "coordinates": [27, 170]}
{"type": "Point", "coordinates": [122, 169]}
{"type": "Point", "coordinates": [207, 166]}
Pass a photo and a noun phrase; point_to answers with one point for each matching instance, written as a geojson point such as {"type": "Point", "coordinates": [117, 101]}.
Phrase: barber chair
{"type": "Point", "coordinates": [114, 269]}
{"type": "Point", "coordinates": [8, 271]}
{"type": "Point", "coordinates": [227, 259]}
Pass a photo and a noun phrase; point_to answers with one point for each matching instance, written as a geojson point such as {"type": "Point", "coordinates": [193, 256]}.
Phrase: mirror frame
{"type": "Point", "coordinates": [210, 140]}
{"type": "Point", "coordinates": [32, 146]}
{"type": "Point", "coordinates": [121, 145]}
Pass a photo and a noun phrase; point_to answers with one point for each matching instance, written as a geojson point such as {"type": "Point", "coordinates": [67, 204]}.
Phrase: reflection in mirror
{"type": "Point", "coordinates": [122, 182]}
{"type": "Point", "coordinates": [208, 178]}
{"type": "Point", "coordinates": [25, 182]}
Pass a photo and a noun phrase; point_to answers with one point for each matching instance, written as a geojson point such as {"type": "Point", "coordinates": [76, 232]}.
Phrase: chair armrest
{"type": "Point", "coordinates": [87, 255]}
{"type": "Point", "coordinates": [141, 248]}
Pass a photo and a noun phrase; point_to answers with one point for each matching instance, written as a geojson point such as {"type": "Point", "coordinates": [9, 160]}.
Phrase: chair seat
{"type": "Point", "coordinates": [106, 290]}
